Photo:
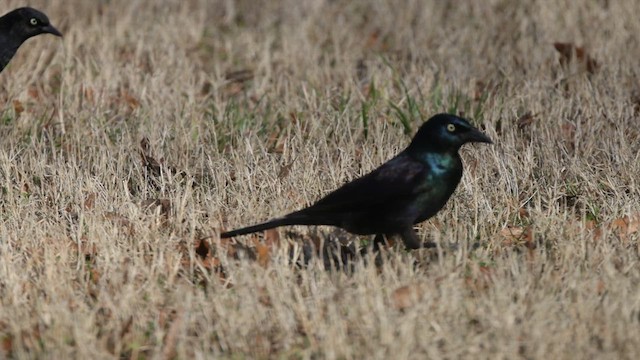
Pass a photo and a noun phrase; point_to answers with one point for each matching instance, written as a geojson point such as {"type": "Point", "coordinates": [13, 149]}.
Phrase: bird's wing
{"type": "Point", "coordinates": [397, 180]}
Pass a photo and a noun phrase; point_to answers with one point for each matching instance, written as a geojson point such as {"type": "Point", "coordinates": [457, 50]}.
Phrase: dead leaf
{"type": "Point", "coordinates": [276, 142]}
{"type": "Point", "coordinates": [293, 117]}
{"type": "Point", "coordinates": [480, 277]}
{"type": "Point", "coordinates": [206, 256]}
{"type": "Point", "coordinates": [479, 90]}
{"type": "Point", "coordinates": [406, 296]}
{"type": "Point", "coordinates": [206, 88]}
{"type": "Point", "coordinates": [263, 297]}
{"type": "Point", "coordinates": [7, 344]}
{"type": "Point", "coordinates": [171, 339]}
{"type": "Point", "coordinates": [525, 120]}
{"type": "Point", "coordinates": [153, 204]}
{"type": "Point", "coordinates": [239, 76]}
{"type": "Point", "coordinates": [120, 220]}
{"type": "Point", "coordinates": [131, 101]}
{"type": "Point", "coordinates": [88, 94]}
{"type": "Point", "coordinates": [595, 230]}
{"type": "Point", "coordinates": [516, 234]}
{"type": "Point", "coordinates": [90, 201]}
{"type": "Point", "coordinates": [601, 287]}
{"type": "Point", "coordinates": [18, 108]}
{"type": "Point", "coordinates": [377, 41]}
{"type": "Point", "coordinates": [263, 253]}
{"type": "Point", "coordinates": [272, 238]}
{"type": "Point", "coordinates": [285, 169]}
{"type": "Point", "coordinates": [626, 226]}
{"type": "Point", "coordinates": [363, 77]}
{"type": "Point", "coordinates": [568, 52]}
{"type": "Point", "coordinates": [568, 132]}
{"type": "Point", "coordinates": [94, 275]}
{"type": "Point", "coordinates": [126, 328]}
{"type": "Point", "coordinates": [33, 92]}
{"type": "Point", "coordinates": [202, 248]}
{"type": "Point", "coordinates": [149, 162]}
{"type": "Point", "coordinates": [233, 89]}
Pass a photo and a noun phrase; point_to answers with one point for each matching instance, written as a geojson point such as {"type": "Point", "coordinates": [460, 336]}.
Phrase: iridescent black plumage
{"type": "Point", "coordinates": [408, 189]}
{"type": "Point", "coordinates": [19, 25]}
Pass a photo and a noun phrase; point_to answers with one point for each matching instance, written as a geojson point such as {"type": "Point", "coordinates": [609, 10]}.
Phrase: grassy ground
{"type": "Point", "coordinates": [152, 125]}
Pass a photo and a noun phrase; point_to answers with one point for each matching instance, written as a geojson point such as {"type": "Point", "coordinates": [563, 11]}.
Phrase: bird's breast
{"type": "Point", "coordinates": [439, 182]}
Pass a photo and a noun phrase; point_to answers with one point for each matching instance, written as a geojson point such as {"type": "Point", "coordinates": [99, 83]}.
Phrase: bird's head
{"type": "Point", "coordinates": [446, 133]}
{"type": "Point", "coordinates": [27, 22]}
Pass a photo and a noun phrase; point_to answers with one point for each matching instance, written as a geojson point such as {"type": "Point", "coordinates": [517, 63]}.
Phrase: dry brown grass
{"type": "Point", "coordinates": [546, 266]}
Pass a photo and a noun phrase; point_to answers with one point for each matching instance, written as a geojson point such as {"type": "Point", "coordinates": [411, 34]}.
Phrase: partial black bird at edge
{"type": "Point", "coordinates": [18, 26]}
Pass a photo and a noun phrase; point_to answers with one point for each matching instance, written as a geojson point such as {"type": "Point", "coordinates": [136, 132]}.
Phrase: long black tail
{"type": "Point", "coordinates": [259, 227]}
{"type": "Point", "coordinates": [301, 217]}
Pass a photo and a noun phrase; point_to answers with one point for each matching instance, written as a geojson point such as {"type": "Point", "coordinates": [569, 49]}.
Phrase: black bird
{"type": "Point", "coordinates": [406, 190]}
{"type": "Point", "coordinates": [19, 25]}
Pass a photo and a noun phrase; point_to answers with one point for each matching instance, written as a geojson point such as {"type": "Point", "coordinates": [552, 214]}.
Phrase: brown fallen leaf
{"type": "Point", "coordinates": [516, 234]}
{"type": "Point", "coordinates": [90, 201]}
{"type": "Point", "coordinates": [406, 296]}
{"type": "Point", "coordinates": [363, 77]}
{"type": "Point", "coordinates": [275, 142]}
{"type": "Point", "coordinates": [263, 297]}
{"type": "Point", "coordinates": [272, 238]}
{"type": "Point", "coordinates": [525, 120]}
{"type": "Point", "coordinates": [26, 189]}
{"type": "Point", "coordinates": [148, 161]}
{"type": "Point", "coordinates": [568, 52]}
{"type": "Point", "coordinates": [206, 88]}
{"type": "Point", "coordinates": [285, 169]}
{"type": "Point", "coordinates": [153, 204]}
{"type": "Point", "coordinates": [625, 226]}
{"type": "Point", "coordinates": [480, 277]}
{"type": "Point", "coordinates": [171, 339]}
{"type": "Point", "coordinates": [205, 259]}
{"type": "Point", "coordinates": [129, 100]}
{"type": "Point", "coordinates": [233, 89]}
{"type": "Point", "coordinates": [34, 92]}
{"type": "Point", "coordinates": [202, 248]}
{"type": "Point", "coordinates": [262, 250]}
{"type": "Point", "coordinates": [94, 275]}
{"type": "Point", "coordinates": [601, 287]}
{"type": "Point", "coordinates": [18, 108]}
{"type": "Point", "coordinates": [591, 226]}
{"type": "Point", "coordinates": [88, 94]}
{"type": "Point", "coordinates": [154, 167]}
{"type": "Point", "coordinates": [239, 76]}
{"type": "Point", "coordinates": [120, 220]}
{"type": "Point", "coordinates": [568, 132]}
{"type": "Point", "coordinates": [7, 345]}
{"type": "Point", "coordinates": [373, 39]}
{"type": "Point", "coordinates": [479, 90]}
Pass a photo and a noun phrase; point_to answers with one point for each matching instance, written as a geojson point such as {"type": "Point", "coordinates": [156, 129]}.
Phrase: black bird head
{"type": "Point", "coordinates": [26, 22]}
{"type": "Point", "coordinates": [446, 133]}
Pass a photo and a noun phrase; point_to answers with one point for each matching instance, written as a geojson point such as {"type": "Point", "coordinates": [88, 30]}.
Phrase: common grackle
{"type": "Point", "coordinates": [19, 25]}
{"type": "Point", "coordinates": [406, 190]}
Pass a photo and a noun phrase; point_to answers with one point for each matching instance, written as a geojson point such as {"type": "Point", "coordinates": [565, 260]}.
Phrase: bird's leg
{"type": "Point", "coordinates": [412, 242]}
{"type": "Point", "coordinates": [410, 238]}
{"type": "Point", "coordinates": [379, 240]}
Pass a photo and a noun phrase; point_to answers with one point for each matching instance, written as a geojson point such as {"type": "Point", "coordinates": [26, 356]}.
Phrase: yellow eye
{"type": "Point", "coordinates": [451, 128]}
{"type": "Point", "coordinates": [34, 21]}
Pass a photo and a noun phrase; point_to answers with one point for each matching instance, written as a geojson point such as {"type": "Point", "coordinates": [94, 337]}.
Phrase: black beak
{"type": "Point", "coordinates": [51, 30]}
{"type": "Point", "coordinates": [476, 136]}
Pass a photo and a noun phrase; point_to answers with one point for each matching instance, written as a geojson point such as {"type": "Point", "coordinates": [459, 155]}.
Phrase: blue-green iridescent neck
{"type": "Point", "coordinates": [439, 163]}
